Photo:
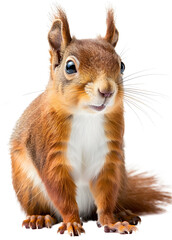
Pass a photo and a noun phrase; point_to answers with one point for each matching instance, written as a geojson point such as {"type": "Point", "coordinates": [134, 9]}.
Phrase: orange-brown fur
{"type": "Point", "coordinates": [41, 135]}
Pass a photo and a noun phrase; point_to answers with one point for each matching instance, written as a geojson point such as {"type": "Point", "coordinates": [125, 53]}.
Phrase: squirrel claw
{"type": "Point", "coordinates": [98, 224]}
{"type": "Point", "coordinates": [38, 222]}
{"type": "Point", "coordinates": [120, 227]}
{"type": "Point", "coordinates": [73, 229]}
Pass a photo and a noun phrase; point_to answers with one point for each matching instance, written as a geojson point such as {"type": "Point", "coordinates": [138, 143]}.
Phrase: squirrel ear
{"type": "Point", "coordinates": [111, 32]}
{"type": "Point", "coordinates": [59, 34]}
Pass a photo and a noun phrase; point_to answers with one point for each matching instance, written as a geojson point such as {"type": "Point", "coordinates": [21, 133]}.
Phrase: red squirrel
{"type": "Point", "coordinates": [67, 148]}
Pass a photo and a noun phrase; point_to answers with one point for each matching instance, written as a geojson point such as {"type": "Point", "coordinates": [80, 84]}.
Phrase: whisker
{"type": "Point", "coordinates": [17, 98]}
{"type": "Point", "coordinates": [140, 94]}
{"type": "Point", "coordinates": [133, 84]}
{"type": "Point", "coordinates": [138, 107]}
{"type": "Point", "coordinates": [132, 99]}
{"type": "Point", "coordinates": [123, 52]}
{"type": "Point", "coordinates": [128, 104]}
{"type": "Point", "coordinates": [140, 76]}
{"type": "Point", "coordinates": [141, 98]}
{"type": "Point", "coordinates": [143, 91]}
{"type": "Point", "coordinates": [143, 95]}
{"type": "Point", "coordinates": [132, 74]}
{"type": "Point", "coordinates": [138, 100]}
{"type": "Point", "coordinates": [25, 94]}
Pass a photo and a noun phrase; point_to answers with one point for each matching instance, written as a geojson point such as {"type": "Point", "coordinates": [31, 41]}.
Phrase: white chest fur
{"type": "Point", "coordinates": [87, 149]}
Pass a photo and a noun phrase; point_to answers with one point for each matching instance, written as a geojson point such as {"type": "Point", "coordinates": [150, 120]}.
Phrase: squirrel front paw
{"type": "Point", "coordinates": [119, 227]}
{"type": "Point", "coordinates": [73, 229]}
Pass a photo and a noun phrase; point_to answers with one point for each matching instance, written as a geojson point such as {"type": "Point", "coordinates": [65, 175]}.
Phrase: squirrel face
{"type": "Point", "coordinates": [85, 74]}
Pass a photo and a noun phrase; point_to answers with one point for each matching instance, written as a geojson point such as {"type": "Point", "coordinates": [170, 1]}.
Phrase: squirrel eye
{"type": "Point", "coordinates": [70, 67]}
{"type": "Point", "coordinates": [122, 67]}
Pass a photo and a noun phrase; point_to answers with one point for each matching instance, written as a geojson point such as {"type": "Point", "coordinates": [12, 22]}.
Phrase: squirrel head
{"type": "Point", "coordinates": [85, 74]}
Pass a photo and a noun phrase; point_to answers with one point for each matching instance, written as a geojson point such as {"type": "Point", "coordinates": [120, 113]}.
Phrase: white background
{"type": "Point", "coordinates": [145, 39]}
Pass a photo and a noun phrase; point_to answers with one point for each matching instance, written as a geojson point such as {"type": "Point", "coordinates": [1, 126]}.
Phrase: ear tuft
{"type": "Point", "coordinates": [59, 35]}
{"type": "Point", "coordinates": [111, 32]}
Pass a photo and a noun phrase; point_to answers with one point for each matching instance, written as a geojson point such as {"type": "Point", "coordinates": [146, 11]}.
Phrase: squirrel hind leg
{"type": "Point", "coordinates": [127, 215]}
{"type": "Point", "coordinates": [31, 192]}
{"type": "Point", "coordinates": [39, 221]}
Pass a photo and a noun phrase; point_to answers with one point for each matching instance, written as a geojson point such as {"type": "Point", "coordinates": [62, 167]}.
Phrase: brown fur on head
{"type": "Point", "coordinates": [93, 84]}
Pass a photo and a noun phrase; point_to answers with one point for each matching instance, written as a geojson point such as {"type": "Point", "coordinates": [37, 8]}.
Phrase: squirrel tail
{"type": "Point", "coordinates": [143, 195]}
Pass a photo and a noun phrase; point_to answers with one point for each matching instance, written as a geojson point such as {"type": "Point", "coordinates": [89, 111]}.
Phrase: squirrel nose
{"type": "Point", "coordinates": [105, 93]}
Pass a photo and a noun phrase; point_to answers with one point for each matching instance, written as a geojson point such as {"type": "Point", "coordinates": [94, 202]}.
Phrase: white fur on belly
{"type": "Point", "coordinates": [84, 199]}
{"type": "Point", "coordinates": [87, 149]}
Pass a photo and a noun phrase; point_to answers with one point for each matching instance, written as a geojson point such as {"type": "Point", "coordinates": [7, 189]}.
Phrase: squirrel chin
{"type": "Point", "coordinates": [98, 108]}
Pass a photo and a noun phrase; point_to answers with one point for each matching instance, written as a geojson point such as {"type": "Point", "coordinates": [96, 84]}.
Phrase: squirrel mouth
{"type": "Point", "coordinates": [98, 108]}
